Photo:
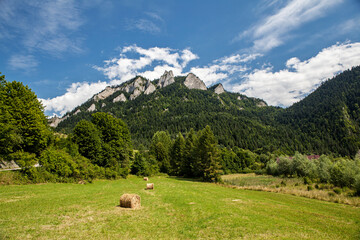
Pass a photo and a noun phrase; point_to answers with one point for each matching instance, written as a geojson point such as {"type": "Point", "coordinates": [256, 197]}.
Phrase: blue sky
{"type": "Point", "coordinates": [277, 50]}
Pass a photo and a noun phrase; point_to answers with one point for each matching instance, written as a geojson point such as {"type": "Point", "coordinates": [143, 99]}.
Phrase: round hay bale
{"type": "Point", "coordinates": [130, 201]}
{"type": "Point", "coordinates": [146, 179]}
{"type": "Point", "coordinates": [149, 186]}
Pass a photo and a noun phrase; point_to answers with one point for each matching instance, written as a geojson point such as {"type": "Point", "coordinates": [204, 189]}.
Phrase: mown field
{"type": "Point", "coordinates": [175, 209]}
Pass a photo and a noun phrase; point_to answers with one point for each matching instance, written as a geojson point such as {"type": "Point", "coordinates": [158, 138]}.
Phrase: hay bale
{"type": "Point", "coordinates": [130, 201]}
{"type": "Point", "coordinates": [146, 179]}
{"type": "Point", "coordinates": [149, 186]}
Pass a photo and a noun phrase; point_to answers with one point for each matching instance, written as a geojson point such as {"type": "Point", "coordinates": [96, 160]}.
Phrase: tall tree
{"type": "Point", "coordinates": [177, 154]}
{"type": "Point", "coordinates": [160, 148]}
{"type": "Point", "coordinates": [186, 166]}
{"type": "Point", "coordinates": [116, 140]}
{"type": "Point", "coordinates": [208, 161]}
{"type": "Point", "coordinates": [87, 137]}
{"type": "Point", "coordinates": [23, 125]}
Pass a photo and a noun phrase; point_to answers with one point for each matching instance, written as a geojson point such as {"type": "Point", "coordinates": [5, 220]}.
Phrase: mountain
{"type": "Point", "coordinates": [177, 104]}
{"type": "Point", "coordinates": [330, 114]}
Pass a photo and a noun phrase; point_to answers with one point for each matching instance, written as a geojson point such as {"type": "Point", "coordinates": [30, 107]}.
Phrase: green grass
{"type": "Point", "coordinates": [294, 186]}
{"type": "Point", "coordinates": [175, 209]}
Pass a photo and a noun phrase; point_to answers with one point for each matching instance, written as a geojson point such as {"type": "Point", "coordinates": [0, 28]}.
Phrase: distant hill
{"type": "Point", "coordinates": [176, 104]}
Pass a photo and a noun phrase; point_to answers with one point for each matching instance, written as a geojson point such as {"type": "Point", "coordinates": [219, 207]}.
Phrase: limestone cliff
{"type": "Point", "coordinates": [193, 82]}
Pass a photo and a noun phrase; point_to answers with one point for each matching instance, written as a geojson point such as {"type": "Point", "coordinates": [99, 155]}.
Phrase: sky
{"type": "Point", "coordinates": [277, 50]}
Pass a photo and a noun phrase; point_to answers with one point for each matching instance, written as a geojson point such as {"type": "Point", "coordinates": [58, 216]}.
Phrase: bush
{"type": "Point", "coordinates": [343, 173]}
{"type": "Point", "coordinates": [285, 165]}
{"type": "Point", "coordinates": [357, 185]}
{"type": "Point", "coordinates": [337, 190]}
{"type": "Point", "coordinates": [272, 168]}
{"type": "Point", "coordinates": [309, 188]}
{"type": "Point", "coordinates": [307, 180]}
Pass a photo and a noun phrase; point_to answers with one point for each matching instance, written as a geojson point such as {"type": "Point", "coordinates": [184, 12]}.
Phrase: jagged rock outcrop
{"type": "Point", "coordinates": [105, 93]}
{"type": "Point", "coordinates": [166, 79]}
{"type": "Point", "coordinates": [54, 121]}
{"type": "Point", "coordinates": [103, 105]}
{"type": "Point", "coordinates": [261, 104]}
{"type": "Point", "coordinates": [135, 94]}
{"type": "Point", "coordinates": [193, 82]}
{"type": "Point", "coordinates": [219, 89]}
{"type": "Point", "coordinates": [150, 88]}
{"type": "Point", "coordinates": [138, 83]}
{"type": "Point", "coordinates": [239, 98]}
{"type": "Point", "coordinates": [77, 112]}
{"type": "Point", "coordinates": [120, 98]}
{"type": "Point", "coordinates": [92, 108]}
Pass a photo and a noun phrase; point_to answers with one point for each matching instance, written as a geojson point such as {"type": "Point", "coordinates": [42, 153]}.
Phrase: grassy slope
{"type": "Point", "coordinates": [176, 209]}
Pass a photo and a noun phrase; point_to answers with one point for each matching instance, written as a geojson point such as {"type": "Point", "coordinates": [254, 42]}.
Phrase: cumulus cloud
{"type": "Point", "coordinates": [224, 68]}
{"type": "Point", "coordinates": [121, 69]}
{"type": "Point", "coordinates": [299, 78]}
{"type": "Point", "coordinates": [273, 30]}
{"type": "Point", "coordinates": [23, 62]}
{"type": "Point", "coordinates": [75, 95]}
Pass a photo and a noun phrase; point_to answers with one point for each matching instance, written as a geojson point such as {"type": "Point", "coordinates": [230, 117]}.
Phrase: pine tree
{"type": "Point", "coordinates": [207, 160]}
{"type": "Point", "coordinates": [177, 154]}
{"type": "Point", "coordinates": [186, 166]}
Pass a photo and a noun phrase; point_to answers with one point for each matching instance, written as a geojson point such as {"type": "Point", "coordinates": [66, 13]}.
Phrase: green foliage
{"type": "Point", "coordinates": [343, 173]}
{"type": "Point", "coordinates": [177, 154]}
{"type": "Point", "coordinates": [207, 163]}
{"type": "Point", "coordinates": [23, 125]}
{"type": "Point", "coordinates": [357, 184]}
{"type": "Point", "coordinates": [160, 148]}
{"type": "Point", "coordinates": [106, 142]}
{"type": "Point", "coordinates": [144, 165]}
{"type": "Point", "coordinates": [87, 137]}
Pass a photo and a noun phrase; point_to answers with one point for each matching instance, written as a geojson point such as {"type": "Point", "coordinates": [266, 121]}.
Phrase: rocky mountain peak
{"type": "Point", "coordinates": [219, 89]}
{"type": "Point", "coordinates": [105, 93]}
{"type": "Point", "coordinates": [166, 79]}
{"type": "Point", "coordinates": [193, 82]}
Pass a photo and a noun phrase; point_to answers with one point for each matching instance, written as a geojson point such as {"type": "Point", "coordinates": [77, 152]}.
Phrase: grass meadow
{"type": "Point", "coordinates": [176, 209]}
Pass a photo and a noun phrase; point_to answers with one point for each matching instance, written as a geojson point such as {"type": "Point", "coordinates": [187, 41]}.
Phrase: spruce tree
{"type": "Point", "coordinates": [177, 154]}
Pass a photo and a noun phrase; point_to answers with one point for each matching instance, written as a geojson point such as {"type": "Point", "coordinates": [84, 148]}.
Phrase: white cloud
{"type": "Point", "coordinates": [150, 63]}
{"type": "Point", "coordinates": [123, 68]}
{"type": "Point", "coordinates": [46, 26]}
{"type": "Point", "coordinates": [299, 78]}
{"type": "Point", "coordinates": [77, 94]}
{"type": "Point", "coordinates": [273, 30]}
{"type": "Point", "coordinates": [23, 62]}
{"type": "Point", "coordinates": [223, 68]}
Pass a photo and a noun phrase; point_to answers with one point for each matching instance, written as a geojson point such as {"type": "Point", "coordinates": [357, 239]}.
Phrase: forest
{"type": "Point", "coordinates": [260, 140]}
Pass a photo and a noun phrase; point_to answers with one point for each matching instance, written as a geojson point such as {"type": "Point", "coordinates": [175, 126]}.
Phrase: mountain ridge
{"type": "Point", "coordinates": [237, 120]}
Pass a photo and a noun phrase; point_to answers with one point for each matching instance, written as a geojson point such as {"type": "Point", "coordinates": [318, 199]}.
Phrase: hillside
{"type": "Point", "coordinates": [177, 104]}
{"type": "Point", "coordinates": [330, 114]}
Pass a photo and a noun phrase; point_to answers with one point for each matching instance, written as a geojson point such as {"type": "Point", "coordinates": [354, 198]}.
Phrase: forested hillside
{"type": "Point", "coordinates": [329, 116]}
{"type": "Point", "coordinates": [327, 121]}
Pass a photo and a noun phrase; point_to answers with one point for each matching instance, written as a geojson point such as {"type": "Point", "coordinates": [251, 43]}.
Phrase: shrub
{"type": "Point", "coordinates": [307, 180]}
{"type": "Point", "coordinates": [285, 165]}
{"type": "Point", "coordinates": [331, 194]}
{"type": "Point", "coordinates": [272, 168]}
{"type": "Point", "coordinates": [357, 185]}
{"type": "Point", "coordinates": [343, 173]}
{"type": "Point", "coordinates": [337, 190]}
{"type": "Point", "coordinates": [309, 188]}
